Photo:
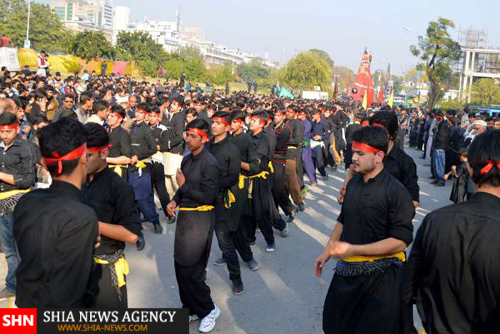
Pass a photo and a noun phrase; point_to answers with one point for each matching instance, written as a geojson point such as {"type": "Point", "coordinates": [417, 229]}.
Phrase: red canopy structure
{"type": "Point", "coordinates": [363, 84]}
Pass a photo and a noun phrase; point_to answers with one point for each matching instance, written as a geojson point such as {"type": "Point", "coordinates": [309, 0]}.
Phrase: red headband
{"type": "Point", "coordinates": [486, 169]}
{"type": "Point", "coordinates": [198, 132]}
{"type": "Point", "coordinates": [75, 154]}
{"type": "Point", "coordinates": [98, 148]}
{"type": "Point", "coordinates": [117, 115]}
{"type": "Point", "coordinates": [142, 111]}
{"type": "Point", "coordinates": [379, 125]}
{"type": "Point", "coordinates": [221, 119]}
{"type": "Point", "coordinates": [356, 145]}
{"type": "Point", "coordinates": [259, 119]}
{"type": "Point", "coordinates": [237, 120]}
{"type": "Point", "coordinates": [9, 127]}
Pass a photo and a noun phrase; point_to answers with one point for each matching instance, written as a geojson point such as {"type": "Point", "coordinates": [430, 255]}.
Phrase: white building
{"type": "Point", "coordinates": [121, 17]}
{"type": "Point", "coordinates": [85, 15]}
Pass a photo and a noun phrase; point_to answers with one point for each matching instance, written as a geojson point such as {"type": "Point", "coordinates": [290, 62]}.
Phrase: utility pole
{"type": "Point", "coordinates": [27, 43]}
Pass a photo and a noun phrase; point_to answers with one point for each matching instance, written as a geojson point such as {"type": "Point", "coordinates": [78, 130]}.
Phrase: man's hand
{"type": "Point", "coordinates": [416, 204]}
{"type": "Point", "coordinates": [181, 179]}
{"type": "Point", "coordinates": [317, 138]}
{"type": "Point", "coordinates": [320, 263]}
{"type": "Point", "coordinates": [340, 249]}
{"type": "Point", "coordinates": [133, 160]}
{"type": "Point", "coordinates": [343, 189]}
{"type": "Point", "coordinates": [171, 208]}
{"type": "Point", "coordinates": [97, 242]}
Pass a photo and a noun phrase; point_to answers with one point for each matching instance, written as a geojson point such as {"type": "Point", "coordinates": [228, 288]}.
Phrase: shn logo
{"type": "Point", "coordinates": [21, 320]}
{"type": "Point", "coordinates": [18, 321]}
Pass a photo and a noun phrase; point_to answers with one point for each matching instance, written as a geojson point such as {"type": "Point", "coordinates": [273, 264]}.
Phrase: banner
{"type": "Point", "coordinates": [67, 63]}
{"type": "Point", "coordinates": [41, 321]}
{"type": "Point", "coordinates": [8, 58]}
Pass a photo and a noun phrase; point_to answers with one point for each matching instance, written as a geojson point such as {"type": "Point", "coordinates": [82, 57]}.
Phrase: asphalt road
{"type": "Point", "coordinates": [283, 296]}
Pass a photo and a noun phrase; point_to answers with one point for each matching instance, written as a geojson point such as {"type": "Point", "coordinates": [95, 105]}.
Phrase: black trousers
{"type": "Point", "coordinates": [240, 241]}
{"type": "Point", "coordinates": [280, 193]}
{"type": "Point", "coordinates": [108, 296]}
{"type": "Point", "coordinates": [194, 292]}
{"type": "Point", "coordinates": [225, 241]}
{"type": "Point", "coordinates": [158, 182]}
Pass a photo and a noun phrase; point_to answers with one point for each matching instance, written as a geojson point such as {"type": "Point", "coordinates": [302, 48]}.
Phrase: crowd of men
{"type": "Point", "coordinates": [82, 160]}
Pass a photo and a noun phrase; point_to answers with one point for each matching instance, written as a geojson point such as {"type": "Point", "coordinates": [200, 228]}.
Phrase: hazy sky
{"type": "Point", "coordinates": [342, 28]}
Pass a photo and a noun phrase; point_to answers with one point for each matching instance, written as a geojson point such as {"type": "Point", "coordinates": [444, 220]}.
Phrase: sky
{"type": "Point", "coordinates": [341, 28]}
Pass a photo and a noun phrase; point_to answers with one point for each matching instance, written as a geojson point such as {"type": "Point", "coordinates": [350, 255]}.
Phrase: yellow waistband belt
{"type": "Point", "coordinates": [229, 199]}
{"type": "Point", "coordinates": [117, 168]}
{"type": "Point", "coordinates": [10, 193]}
{"type": "Point", "coordinates": [400, 255]}
{"type": "Point", "coordinates": [200, 208]}
{"type": "Point", "coordinates": [121, 267]}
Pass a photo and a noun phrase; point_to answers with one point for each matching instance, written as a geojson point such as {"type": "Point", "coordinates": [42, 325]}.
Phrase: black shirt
{"type": "Point", "coordinates": [296, 138]}
{"type": "Point", "coordinates": [283, 133]}
{"type": "Point", "coordinates": [113, 200]}
{"type": "Point", "coordinates": [376, 210]}
{"type": "Point", "coordinates": [143, 142]}
{"type": "Point", "coordinates": [248, 151]}
{"type": "Point", "coordinates": [120, 143]}
{"type": "Point", "coordinates": [453, 271]}
{"type": "Point", "coordinates": [402, 167]}
{"type": "Point", "coordinates": [18, 160]}
{"type": "Point", "coordinates": [202, 177]}
{"type": "Point", "coordinates": [228, 160]}
{"type": "Point", "coordinates": [55, 234]}
{"type": "Point", "coordinates": [263, 150]}
{"type": "Point", "coordinates": [171, 139]}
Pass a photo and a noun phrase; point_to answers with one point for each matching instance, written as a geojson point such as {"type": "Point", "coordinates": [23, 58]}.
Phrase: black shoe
{"type": "Point", "coordinates": [251, 243]}
{"type": "Point", "coordinates": [220, 262]}
{"type": "Point", "coordinates": [302, 207]}
{"type": "Point", "coordinates": [434, 182]}
{"type": "Point", "coordinates": [158, 228]}
{"type": "Point", "coordinates": [6, 294]}
{"type": "Point", "coordinates": [326, 178]}
{"type": "Point", "coordinates": [292, 216]}
{"type": "Point", "coordinates": [238, 288]}
{"type": "Point", "coordinates": [140, 243]}
{"type": "Point", "coordinates": [432, 177]}
{"type": "Point", "coordinates": [171, 220]}
{"type": "Point", "coordinates": [253, 264]}
{"type": "Point", "coordinates": [439, 184]}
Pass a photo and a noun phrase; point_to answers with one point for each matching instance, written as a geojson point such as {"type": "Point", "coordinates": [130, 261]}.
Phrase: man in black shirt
{"type": "Point", "coordinates": [17, 175]}
{"type": "Point", "coordinates": [260, 206]}
{"type": "Point", "coordinates": [120, 151]}
{"type": "Point", "coordinates": [143, 146]}
{"type": "Point", "coordinates": [171, 141]}
{"type": "Point", "coordinates": [440, 144]}
{"type": "Point", "coordinates": [157, 167]}
{"type": "Point", "coordinates": [396, 162]}
{"type": "Point", "coordinates": [229, 162]}
{"type": "Point", "coordinates": [294, 156]}
{"type": "Point", "coordinates": [196, 197]}
{"type": "Point", "coordinates": [372, 231]}
{"type": "Point", "coordinates": [249, 165]}
{"type": "Point", "coordinates": [113, 200]}
{"type": "Point", "coordinates": [55, 232]}
{"type": "Point", "coordinates": [452, 273]}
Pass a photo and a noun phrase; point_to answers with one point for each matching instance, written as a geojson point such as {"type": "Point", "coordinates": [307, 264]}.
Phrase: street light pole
{"type": "Point", "coordinates": [27, 43]}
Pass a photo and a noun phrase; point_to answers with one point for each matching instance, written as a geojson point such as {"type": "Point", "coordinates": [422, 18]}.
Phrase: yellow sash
{"type": "Point", "coordinates": [10, 193]}
{"type": "Point", "coordinates": [400, 255]}
{"type": "Point", "coordinates": [202, 208]}
{"type": "Point", "coordinates": [117, 168]}
{"type": "Point", "coordinates": [229, 200]}
{"type": "Point", "coordinates": [121, 267]}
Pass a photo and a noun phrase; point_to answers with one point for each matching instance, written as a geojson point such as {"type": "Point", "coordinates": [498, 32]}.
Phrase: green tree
{"type": "Point", "coordinates": [253, 70]}
{"type": "Point", "coordinates": [141, 48]}
{"type": "Point", "coordinates": [174, 68]}
{"type": "Point", "coordinates": [195, 70]}
{"type": "Point", "coordinates": [324, 55]}
{"type": "Point", "coordinates": [219, 74]}
{"type": "Point", "coordinates": [485, 92]}
{"type": "Point", "coordinates": [305, 71]}
{"type": "Point", "coordinates": [46, 31]}
{"type": "Point", "coordinates": [187, 53]}
{"type": "Point", "coordinates": [345, 74]}
{"type": "Point", "coordinates": [438, 51]}
{"type": "Point", "coordinates": [90, 44]}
